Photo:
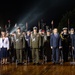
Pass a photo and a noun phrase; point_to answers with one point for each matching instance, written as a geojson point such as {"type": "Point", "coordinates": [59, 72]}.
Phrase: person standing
{"type": "Point", "coordinates": [9, 51]}
{"type": "Point", "coordinates": [43, 38]}
{"type": "Point", "coordinates": [65, 44]}
{"type": "Point", "coordinates": [28, 50]}
{"type": "Point", "coordinates": [72, 34]}
{"type": "Point", "coordinates": [35, 45]}
{"type": "Point", "coordinates": [47, 48]}
{"type": "Point", "coordinates": [4, 47]}
{"type": "Point", "coordinates": [19, 45]}
{"type": "Point", "coordinates": [55, 43]}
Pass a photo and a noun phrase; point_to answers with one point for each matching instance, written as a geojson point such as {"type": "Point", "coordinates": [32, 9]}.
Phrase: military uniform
{"type": "Point", "coordinates": [65, 45]}
{"type": "Point", "coordinates": [35, 45]}
{"type": "Point", "coordinates": [19, 45]}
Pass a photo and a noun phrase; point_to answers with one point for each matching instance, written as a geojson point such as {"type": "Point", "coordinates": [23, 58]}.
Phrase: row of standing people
{"type": "Point", "coordinates": [34, 46]}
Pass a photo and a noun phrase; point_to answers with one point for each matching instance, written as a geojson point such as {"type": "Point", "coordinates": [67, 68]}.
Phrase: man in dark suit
{"type": "Point", "coordinates": [55, 43]}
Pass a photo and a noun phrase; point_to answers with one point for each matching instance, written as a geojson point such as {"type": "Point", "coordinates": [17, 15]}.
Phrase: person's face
{"type": "Point", "coordinates": [72, 31]}
{"type": "Point", "coordinates": [43, 32]}
{"type": "Point", "coordinates": [18, 30]}
{"type": "Point", "coordinates": [40, 32]}
{"type": "Point", "coordinates": [35, 31]}
{"type": "Point", "coordinates": [28, 33]}
{"type": "Point", "coordinates": [24, 33]}
{"type": "Point", "coordinates": [64, 31]}
{"type": "Point", "coordinates": [48, 33]}
{"type": "Point", "coordinates": [3, 34]}
{"type": "Point", "coordinates": [55, 31]}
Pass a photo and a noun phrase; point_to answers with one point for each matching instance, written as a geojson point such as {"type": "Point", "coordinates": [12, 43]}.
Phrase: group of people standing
{"type": "Point", "coordinates": [34, 46]}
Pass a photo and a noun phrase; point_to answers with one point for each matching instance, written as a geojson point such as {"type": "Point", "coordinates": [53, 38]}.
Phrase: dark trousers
{"type": "Point", "coordinates": [65, 53]}
{"type": "Point", "coordinates": [41, 53]}
{"type": "Point", "coordinates": [47, 53]}
{"type": "Point", "coordinates": [12, 55]}
{"type": "Point", "coordinates": [70, 52]}
{"type": "Point", "coordinates": [0, 54]}
{"type": "Point", "coordinates": [19, 55]}
{"type": "Point", "coordinates": [55, 55]}
{"type": "Point", "coordinates": [73, 53]}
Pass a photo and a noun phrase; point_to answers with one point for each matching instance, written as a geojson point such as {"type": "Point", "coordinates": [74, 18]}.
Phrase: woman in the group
{"type": "Point", "coordinates": [4, 46]}
{"type": "Point", "coordinates": [47, 49]}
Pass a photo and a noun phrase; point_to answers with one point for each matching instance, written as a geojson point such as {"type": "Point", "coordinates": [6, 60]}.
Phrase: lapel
{"type": "Point", "coordinates": [4, 40]}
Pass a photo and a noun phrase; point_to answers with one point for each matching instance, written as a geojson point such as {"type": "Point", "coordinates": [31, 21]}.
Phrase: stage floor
{"type": "Point", "coordinates": [46, 69]}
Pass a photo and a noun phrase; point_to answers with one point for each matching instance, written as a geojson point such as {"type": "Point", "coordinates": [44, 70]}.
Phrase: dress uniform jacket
{"type": "Point", "coordinates": [35, 41]}
{"type": "Point", "coordinates": [35, 45]}
{"type": "Point", "coordinates": [19, 45]}
{"type": "Point", "coordinates": [19, 41]}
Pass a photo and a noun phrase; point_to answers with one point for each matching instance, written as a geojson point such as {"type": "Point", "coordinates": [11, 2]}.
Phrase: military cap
{"type": "Point", "coordinates": [28, 31]}
{"type": "Point", "coordinates": [72, 29]}
{"type": "Point", "coordinates": [40, 30]}
{"type": "Point", "coordinates": [47, 30]}
{"type": "Point", "coordinates": [65, 28]}
{"type": "Point", "coordinates": [35, 28]}
{"type": "Point", "coordinates": [18, 28]}
{"type": "Point", "coordinates": [43, 30]}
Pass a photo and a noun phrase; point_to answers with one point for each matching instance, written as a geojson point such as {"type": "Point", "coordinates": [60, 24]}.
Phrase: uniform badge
{"type": "Point", "coordinates": [33, 39]}
{"type": "Point", "coordinates": [16, 40]}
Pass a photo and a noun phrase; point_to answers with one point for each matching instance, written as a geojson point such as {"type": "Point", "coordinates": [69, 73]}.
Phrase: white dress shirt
{"type": "Point", "coordinates": [4, 44]}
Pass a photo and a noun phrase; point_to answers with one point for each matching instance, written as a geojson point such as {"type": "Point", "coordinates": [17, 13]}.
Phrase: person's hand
{"type": "Point", "coordinates": [72, 47]}
{"type": "Point", "coordinates": [60, 47]}
{"type": "Point", "coordinates": [7, 49]}
{"type": "Point", "coordinates": [51, 47]}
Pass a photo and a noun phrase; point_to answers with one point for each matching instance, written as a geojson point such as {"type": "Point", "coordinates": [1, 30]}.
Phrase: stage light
{"type": "Point", "coordinates": [32, 16]}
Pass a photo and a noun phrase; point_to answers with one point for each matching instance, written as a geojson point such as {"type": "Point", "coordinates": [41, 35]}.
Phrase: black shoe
{"type": "Point", "coordinates": [38, 64]}
{"type": "Point", "coordinates": [20, 63]}
{"type": "Point", "coordinates": [53, 63]}
{"type": "Point", "coordinates": [34, 64]}
{"type": "Point", "coordinates": [57, 63]}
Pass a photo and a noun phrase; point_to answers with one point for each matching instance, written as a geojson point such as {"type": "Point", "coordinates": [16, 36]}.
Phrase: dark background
{"type": "Point", "coordinates": [17, 10]}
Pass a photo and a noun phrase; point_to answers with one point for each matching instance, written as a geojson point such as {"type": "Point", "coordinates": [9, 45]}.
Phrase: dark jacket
{"type": "Point", "coordinates": [55, 41]}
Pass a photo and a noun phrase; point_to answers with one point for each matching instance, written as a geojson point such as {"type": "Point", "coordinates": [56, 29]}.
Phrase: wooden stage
{"type": "Point", "coordinates": [46, 69]}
